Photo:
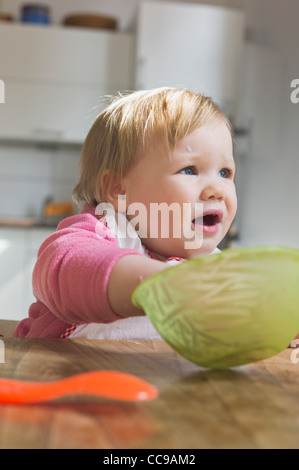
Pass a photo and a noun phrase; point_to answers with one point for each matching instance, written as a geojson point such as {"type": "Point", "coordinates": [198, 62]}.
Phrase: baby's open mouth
{"type": "Point", "coordinates": [209, 221]}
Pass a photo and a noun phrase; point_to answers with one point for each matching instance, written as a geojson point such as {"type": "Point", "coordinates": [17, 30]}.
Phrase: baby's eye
{"type": "Point", "coordinates": [225, 173]}
{"type": "Point", "coordinates": [189, 170]}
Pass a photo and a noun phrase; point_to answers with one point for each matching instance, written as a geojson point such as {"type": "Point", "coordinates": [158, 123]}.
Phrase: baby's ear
{"type": "Point", "coordinates": [114, 189]}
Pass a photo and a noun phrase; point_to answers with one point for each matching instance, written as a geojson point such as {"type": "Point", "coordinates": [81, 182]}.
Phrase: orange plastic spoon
{"type": "Point", "coordinates": [108, 384]}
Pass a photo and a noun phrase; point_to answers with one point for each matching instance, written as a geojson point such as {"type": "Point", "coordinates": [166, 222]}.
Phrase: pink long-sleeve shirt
{"type": "Point", "coordinates": [71, 275]}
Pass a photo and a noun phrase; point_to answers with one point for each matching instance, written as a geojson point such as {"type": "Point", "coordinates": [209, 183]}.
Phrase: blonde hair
{"type": "Point", "coordinates": [124, 131]}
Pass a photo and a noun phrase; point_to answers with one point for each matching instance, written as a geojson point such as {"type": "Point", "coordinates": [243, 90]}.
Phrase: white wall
{"type": "Point", "coordinates": [268, 179]}
{"type": "Point", "coordinates": [29, 174]}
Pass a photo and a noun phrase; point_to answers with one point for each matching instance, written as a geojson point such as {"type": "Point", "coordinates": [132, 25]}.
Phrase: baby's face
{"type": "Point", "coordinates": [194, 190]}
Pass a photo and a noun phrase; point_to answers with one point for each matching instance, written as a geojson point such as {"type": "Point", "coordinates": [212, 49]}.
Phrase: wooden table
{"type": "Point", "coordinates": [253, 406]}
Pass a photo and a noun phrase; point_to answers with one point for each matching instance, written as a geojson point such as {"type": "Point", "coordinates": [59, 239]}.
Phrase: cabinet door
{"type": "Point", "coordinates": [12, 249]}
{"type": "Point", "coordinates": [48, 112]}
{"type": "Point", "coordinates": [192, 46]}
{"type": "Point", "coordinates": [34, 239]}
{"type": "Point", "coordinates": [66, 55]}
{"type": "Point", "coordinates": [18, 252]}
{"type": "Point", "coordinates": [56, 79]}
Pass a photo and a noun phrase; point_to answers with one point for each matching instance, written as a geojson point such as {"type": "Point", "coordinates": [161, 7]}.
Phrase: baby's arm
{"type": "Point", "coordinates": [76, 267]}
{"type": "Point", "coordinates": [127, 273]}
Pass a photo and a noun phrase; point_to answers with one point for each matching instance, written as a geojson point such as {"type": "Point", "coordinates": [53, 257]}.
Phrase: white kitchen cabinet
{"type": "Point", "coordinates": [56, 79]}
{"type": "Point", "coordinates": [47, 112]}
{"type": "Point", "coordinates": [18, 251]}
{"type": "Point", "coordinates": [192, 46]}
{"type": "Point", "coordinates": [34, 238]}
{"type": "Point", "coordinates": [12, 249]}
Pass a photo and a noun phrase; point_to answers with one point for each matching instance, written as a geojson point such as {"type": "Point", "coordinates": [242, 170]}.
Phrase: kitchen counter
{"type": "Point", "coordinates": [29, 222]}
{"type": "Point", "coordinates": [253, 406]}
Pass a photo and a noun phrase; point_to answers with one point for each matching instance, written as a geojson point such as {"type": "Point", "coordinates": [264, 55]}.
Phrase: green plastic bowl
{"type": "Point", "coordinates": [226, 309]}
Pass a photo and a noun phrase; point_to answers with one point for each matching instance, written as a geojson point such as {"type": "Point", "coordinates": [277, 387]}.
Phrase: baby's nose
{"type": "Point", "coordinates": [212, 189]}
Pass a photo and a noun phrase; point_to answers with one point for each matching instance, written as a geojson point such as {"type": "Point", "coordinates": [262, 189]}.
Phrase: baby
{"type": "Point", "coordinates": [157, 186]}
